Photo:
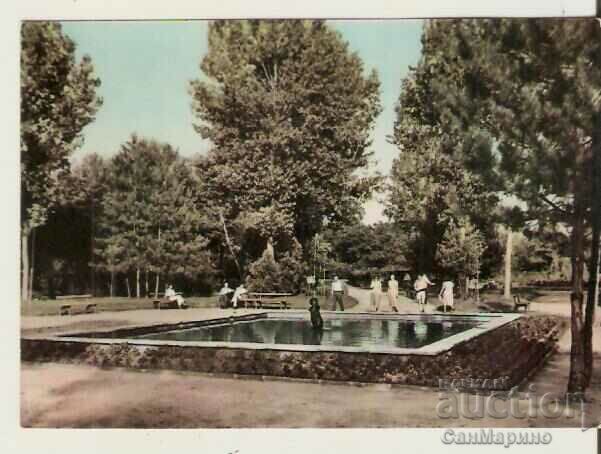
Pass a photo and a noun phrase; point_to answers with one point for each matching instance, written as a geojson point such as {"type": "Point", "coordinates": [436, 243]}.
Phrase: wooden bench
{"type": "Point", "coordinates": [517, 303]}
{"type": "Point", "coordinates": [255, 302]}
{"type": "Point", "coordinates": [274, 305]}
{"type": "Point", "coordinates": [167, 304]}
{"type": "Point", "coordinates": [72, 297]}
{"type": "Point", "coordinates": [265, 300]}
{"type": "Point", "coordinates": [67, 309]}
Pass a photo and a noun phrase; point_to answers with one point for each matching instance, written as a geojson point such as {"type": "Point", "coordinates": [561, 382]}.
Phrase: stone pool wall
{"type": "Point", "coordinates": [506, 354]}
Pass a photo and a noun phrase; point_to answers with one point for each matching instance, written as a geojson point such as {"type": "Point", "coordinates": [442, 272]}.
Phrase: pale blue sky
{"type": "Point", "coordinates": [145, 68]}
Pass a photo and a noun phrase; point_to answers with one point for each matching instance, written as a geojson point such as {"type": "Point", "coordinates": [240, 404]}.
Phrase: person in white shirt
{"type": "Point", "coordinates": [472, 287]}
{"type": "Point", "coordinates": [240, 290]}
{"type": "Point", "coordinates": [376, 293]}
{"type": "Point", "coordinates": [393, 293]}
{"type": "Point", "coordinates": [446, 294]}
{"type": "Point", "coordinates": [171, 295]}
{"type": "Point", "coordinates": [421, 287]}
{"type": "Point", "coordinates": [223, 295]}
{"type": "Point", "coordinates": [338, 293]}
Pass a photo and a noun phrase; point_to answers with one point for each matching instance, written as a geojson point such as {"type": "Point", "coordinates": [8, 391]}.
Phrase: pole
{"type": "Point", "coordinates": [30, 293]}
{"type": "Point", "coordinates": [477, 279]}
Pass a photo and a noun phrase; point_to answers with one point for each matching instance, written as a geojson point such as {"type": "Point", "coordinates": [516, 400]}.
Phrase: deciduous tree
{"type": "Point", "coordinates": [289, 111]}
{"type": "Point", "coordinates": [58, 99]}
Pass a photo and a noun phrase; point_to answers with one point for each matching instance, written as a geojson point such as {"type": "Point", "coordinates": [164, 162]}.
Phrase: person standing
{"type": "Point", "coordinates": [338, 293]}
{"type": "Point", "coordinates": [472, 287]}
{"type": "Point", "coordinates": [393, 293]}
{"type": "Point", "coordinates": [316, 319]}
{"type": "Point", "coordinates": [376, 293]}
{"type": "Point", "coordinates": [421, 287]}
{"type": "Point", "coordinates": [407, 284]}
{"type": "Point", "coordinates": [446, 295]}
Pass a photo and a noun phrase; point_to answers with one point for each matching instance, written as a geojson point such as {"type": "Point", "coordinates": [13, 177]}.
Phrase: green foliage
{"type": "Point", "coordinates": [285, 275]}
{"type": "Point", "coordinates": [537, 93]}
{"type": "Point", "coordinates": [461, 249]}
{"type": "Point", "coordinates": [292, 269]}
{"type": "Point", "coordinates": [263, 274]}
{"type": "Point", "coordinates": [433, 181]}
{"type": "Point", "coordinates": [367, 248]}
{"type": "Point", "coordinates": [289, 112]}
{"type": "Point", "coordinates": [58, 99]}
{"type": "Point", "coordinates": [152, 214]}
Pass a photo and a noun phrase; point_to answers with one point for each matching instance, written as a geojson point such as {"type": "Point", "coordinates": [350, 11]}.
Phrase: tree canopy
{"type": "Point", "coordinates": [437, 178]}
{"type": "Point", "coordinates": [535, 87]}
{"type": "Point", "coordinates": [58, 99]}
{"type": "Point", "coordinates": [289, 111]}
{"type": "Point", "coordinates": [153, 218]}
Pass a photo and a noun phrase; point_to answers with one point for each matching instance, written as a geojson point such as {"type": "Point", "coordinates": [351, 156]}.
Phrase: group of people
{"type": "Point", "coordinates": [445, 295]}
{"type": "Point", "coordinates": [420, 286]}
{"type": "Point", "coordinates": [392, 293]}
{"type": "Point", "coordinates": [224, 298]}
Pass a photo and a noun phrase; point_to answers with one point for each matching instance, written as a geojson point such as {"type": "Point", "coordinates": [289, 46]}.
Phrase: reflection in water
{"type": "Point", "coordinates": [421, 330]}
{"type": "Point", "coordinates": [337, 332]}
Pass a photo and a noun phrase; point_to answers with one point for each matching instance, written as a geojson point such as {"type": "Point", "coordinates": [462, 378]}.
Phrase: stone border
{"type": "Point", "coordinates": [508, 352]}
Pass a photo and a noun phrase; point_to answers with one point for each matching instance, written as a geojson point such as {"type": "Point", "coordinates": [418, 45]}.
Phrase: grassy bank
{"type": "Point", "coordinates": [107, 304]}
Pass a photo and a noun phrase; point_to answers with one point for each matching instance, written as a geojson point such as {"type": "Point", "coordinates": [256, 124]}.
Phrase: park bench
{"type": "Point", "coordinates": [68, 309]}
{"type": "Point", "coordinates": [517, 303]}
{"type": "Point", "coordinates": [73, 297]}
{"type": "Point", "coordinates": [274, 305]}
{"type": "Point", "coordinates": [167, 304]}
{"type": "Point", "coordinates": [267, 300]}
{"type": "Point", "coordinates": [248, 300]}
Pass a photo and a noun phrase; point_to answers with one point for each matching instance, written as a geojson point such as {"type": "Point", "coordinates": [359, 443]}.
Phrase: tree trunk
{"type": "Point", "coordinates": [229, 244]}
{"type": "Point", "coordinates": [112, 284]}
{"type": "Point", "coordinates": [32, 269]}
{"type": "Point", "coordinates": [577, 379]}
{"type": "Point", "coordinates": [156, 287]}
{"type": "Point", "coordinates": [593, 266]}
{"type": "Point", "coordinates": [147, 292]}
{"type": "Point", "coordinates": [127, 285]}
{"type": "Point", "coordinates": [138, 283]}
{"type": "Point", "coordinates": [25, 266]}
{"type": "Point", "coordinates": [92, 246]}
{"type": "Point", "coordinates": [508, 253]}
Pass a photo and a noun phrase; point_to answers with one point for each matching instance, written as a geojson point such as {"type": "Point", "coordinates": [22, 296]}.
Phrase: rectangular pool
{"type": "Point", "coordinates": [418, 349]}
{"type": "Point", "coordinates": [365, 333]}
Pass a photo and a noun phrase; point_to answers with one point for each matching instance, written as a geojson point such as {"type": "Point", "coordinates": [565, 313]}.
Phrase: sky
{"type": "Point", "coordinates": [145, 68]}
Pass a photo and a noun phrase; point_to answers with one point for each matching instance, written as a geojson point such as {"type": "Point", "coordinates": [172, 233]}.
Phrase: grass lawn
{"type": "Point", "coordinates": [105, 304]}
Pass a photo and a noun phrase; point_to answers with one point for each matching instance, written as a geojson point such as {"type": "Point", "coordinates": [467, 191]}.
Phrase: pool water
{"type": "Point", "coordinates": [337, 332]}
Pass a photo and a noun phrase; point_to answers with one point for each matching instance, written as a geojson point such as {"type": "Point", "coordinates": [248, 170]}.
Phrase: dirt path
{"type": "Point", "coordinates": [404, 304]}
{"type": "Point", "coordinates": [59, 395]}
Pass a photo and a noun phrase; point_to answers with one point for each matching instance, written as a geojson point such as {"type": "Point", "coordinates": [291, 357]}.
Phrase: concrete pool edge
{"type": "Point", "coordinates": [508, 352]}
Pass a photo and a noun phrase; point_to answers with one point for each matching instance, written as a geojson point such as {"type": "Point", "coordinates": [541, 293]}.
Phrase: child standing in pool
{"type": "Point", "coordinates": [316, 320]}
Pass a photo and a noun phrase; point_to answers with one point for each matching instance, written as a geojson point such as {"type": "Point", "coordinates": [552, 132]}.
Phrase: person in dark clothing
{"type": "Point", "coordinates": [316, 320]}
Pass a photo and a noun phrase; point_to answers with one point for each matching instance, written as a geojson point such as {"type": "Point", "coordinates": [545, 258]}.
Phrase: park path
{"type": "Point", "coordinates": [404, 304]}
